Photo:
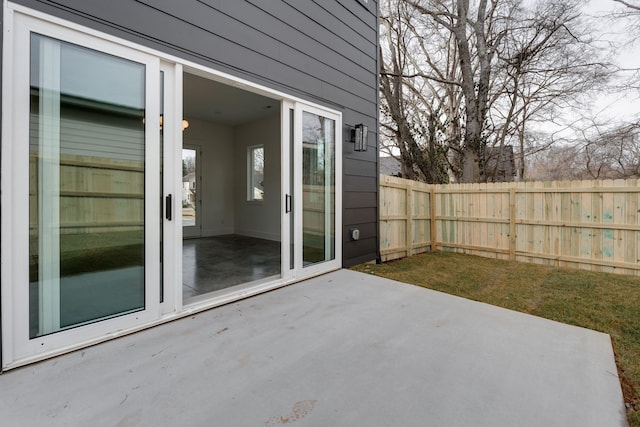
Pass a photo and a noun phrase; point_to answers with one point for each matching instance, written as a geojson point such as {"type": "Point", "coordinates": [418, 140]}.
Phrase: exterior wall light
{"type": "Point", "coordinates": [360, 137]}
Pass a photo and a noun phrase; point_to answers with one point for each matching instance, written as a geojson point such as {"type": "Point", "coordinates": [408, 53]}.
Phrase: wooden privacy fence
{"type": "Point", "coordinates": [593, 225]}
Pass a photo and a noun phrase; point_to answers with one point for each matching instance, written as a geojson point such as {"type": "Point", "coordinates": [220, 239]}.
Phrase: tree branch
{"type": "Point", "coordinates": [629, 5]}
{"type": "Point", "coordinates": [424, 76]}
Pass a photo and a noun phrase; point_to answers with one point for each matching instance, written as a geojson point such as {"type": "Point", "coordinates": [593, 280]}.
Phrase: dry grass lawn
{"type": "Point", "coordinates": [603, 302]}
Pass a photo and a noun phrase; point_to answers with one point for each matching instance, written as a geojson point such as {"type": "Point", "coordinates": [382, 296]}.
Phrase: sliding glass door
{"type": "Point", "coordinates": [85, 150]}
{"type": "Point", "coordinates": [86, 186]}
{"type": "Point", "coordinates": [318, 188]}
{"type": "Point", "coordinates": [315, 231]}
{"type": "Point", "coordinates": [98, 188]}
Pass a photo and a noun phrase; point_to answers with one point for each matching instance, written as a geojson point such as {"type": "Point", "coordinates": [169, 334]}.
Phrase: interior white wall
{"type": "Point", "coordinates": [258, 219]}
{"type": "Point", "coordinates": [216, 148]}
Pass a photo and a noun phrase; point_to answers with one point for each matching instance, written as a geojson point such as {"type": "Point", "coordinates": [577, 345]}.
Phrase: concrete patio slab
{"type": "Point", "coordinates": [343, 349]}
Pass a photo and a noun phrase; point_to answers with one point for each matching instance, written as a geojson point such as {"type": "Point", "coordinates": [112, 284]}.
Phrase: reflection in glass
{"type": "Point", "coordinates": [318, 179]}
{"type": "Point", "coordinates": [86, 186]}
{"type": "Point", "coordinates": [292, 223]}
{"type": "Point", "coordinates": [162, 205]}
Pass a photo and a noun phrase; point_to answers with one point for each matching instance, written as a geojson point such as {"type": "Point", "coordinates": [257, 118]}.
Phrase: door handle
{"type": "Point", "coordinates": [167, 207]}
{"type": "Point", "coordinates": [287, 203]}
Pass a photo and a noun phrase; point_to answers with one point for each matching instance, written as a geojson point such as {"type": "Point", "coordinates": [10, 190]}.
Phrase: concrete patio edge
{"type": "Point", "coordinates": [342, 349]}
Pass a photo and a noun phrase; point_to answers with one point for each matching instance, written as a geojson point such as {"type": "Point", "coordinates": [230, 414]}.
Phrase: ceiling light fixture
{"type": "Point", "coordinates": [185, 123]}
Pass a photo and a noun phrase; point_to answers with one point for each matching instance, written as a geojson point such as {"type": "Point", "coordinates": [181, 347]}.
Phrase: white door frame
{"type": "Point", "coordinates": [292, 157]}
{"type": "Point", "coordinates": [15, 176]}
{"type": "Point", "coordinates": [171, 215]}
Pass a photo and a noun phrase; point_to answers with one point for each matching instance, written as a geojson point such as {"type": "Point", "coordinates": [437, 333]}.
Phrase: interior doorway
{"type": "Point", "coordinates": [231, 180]}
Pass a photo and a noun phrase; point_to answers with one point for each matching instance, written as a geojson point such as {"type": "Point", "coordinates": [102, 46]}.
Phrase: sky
{"type": "Point", "coordinates": [621, 106]}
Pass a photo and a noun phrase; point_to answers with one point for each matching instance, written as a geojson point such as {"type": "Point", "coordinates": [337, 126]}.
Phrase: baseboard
{"type": "Point", "coordinates": [216, 232]}
{"type": "Point", "coordinates": [258, 234]}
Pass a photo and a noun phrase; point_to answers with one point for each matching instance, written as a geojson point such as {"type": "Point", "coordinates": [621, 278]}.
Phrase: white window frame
{"type": "Point", "coordinates": [251, 178]}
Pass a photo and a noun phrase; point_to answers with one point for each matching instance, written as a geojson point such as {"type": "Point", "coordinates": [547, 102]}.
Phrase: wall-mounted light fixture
{"type": "Point", "coordinates": [360, 137]}
{"type": "Point", "coordinates": [185, 123]}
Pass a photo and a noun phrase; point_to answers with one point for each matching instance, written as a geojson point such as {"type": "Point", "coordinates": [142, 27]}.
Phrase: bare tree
{"type": "Point", "coordinates": [461, 80]}
{"type": "Point", "coordinates": [549, 63]}
{"type": "Point", "coordinates": [603, 147]}
{"type": "Point", "coordinates": [557, 163]}
{"type": "Point", "coordinates": [411, 117]}
{"type": "Point", "coordinates": [614, 154]}
{"type": "Point", "coordinates": [477, 35]}
{"type": "Point", "coordinates": [598, 153]}
{"type": "Point", "coordinates": [628, 14]}
{"type": "Point", "coordinates": [541, 63]}
{"type": "Point", "coordinates": [634, 6]}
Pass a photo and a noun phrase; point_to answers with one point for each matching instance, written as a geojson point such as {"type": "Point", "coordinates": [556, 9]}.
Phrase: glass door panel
{"type": "Point", "coordinates": [314, 170]}
{"type": "Point", "coordinates": [86, 186]}
{"type": "Point", "coordinates": [318, 181]}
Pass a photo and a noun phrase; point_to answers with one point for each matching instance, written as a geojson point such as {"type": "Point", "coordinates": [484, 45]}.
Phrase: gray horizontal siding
{"type": "Point", "coordinates": [359, 216]}
{"type": "Point", "coordinates": [347, 54]}
{"type": "Point", "coordinates": [275, 40]}
{"type": "Point", "coordinates": [198, 32]}
{"type": "Point", "coordinates": [360, 199]}
{"type": "Point", "coordinates": [356, 252]}
{"type": "Point", "coordinates": [348, 31]}
{"type": "Point", "coordinates": [359, 167]}
{"type": "Point", "coordinates": [345, 13]}
{"type": "Point", "coordinates": [321, 50]}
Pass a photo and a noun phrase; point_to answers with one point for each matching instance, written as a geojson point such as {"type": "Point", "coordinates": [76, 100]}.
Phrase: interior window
{"type": "Point", "coordinates": [255, 190]}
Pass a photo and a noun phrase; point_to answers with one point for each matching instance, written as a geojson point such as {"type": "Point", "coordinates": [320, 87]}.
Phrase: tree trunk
{"type": "Point", "coordinates": [470, 167]}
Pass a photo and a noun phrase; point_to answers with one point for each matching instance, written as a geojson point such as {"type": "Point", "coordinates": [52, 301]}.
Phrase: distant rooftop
{"type": "Point", "coordinates": [390, 166]}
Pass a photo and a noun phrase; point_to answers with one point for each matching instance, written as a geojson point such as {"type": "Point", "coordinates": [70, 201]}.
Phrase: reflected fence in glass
{"type": "Point", "coordinates": [86, 186]}
{"type": "Point", "coordinates": [318, 179]}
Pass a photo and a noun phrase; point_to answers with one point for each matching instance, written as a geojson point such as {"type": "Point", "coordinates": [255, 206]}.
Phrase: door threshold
{"type": "Point", "coordinates": [234, 293]}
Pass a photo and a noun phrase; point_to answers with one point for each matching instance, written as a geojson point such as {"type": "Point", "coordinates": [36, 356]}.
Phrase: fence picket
{"type": "Point", "coordinates": [591, 225]}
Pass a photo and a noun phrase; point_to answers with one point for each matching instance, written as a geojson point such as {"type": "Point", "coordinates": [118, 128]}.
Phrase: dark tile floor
{"type": "Point", "coordinates": [213, 263]}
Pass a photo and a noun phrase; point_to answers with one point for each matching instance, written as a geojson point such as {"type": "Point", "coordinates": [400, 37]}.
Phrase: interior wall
{"type": "Point", "coordinates": [216, 144]}
{"type": "Point", "coordinates": [258, 219]}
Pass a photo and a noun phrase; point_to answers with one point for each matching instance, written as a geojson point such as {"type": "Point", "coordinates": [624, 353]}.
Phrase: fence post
{"type": "Point", "coordinates": [512, 223]}
{"type": "Point", "coordinates": [432, 219]}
